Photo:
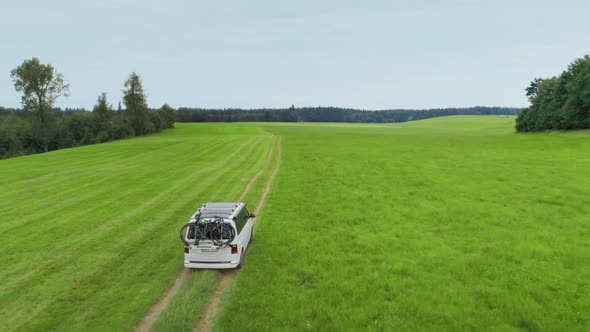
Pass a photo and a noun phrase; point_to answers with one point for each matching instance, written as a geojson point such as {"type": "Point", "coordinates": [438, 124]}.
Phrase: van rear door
{"type": "Point", "coordinates": [207, 252]}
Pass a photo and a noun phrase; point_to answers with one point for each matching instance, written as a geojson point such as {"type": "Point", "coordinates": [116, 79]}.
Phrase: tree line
{"type": "Point", "coordinates": [39, 127]}
{"type": "Point", "coordinates": [328, 114]}
{"type": "Point", "coordinates": [560, 102]}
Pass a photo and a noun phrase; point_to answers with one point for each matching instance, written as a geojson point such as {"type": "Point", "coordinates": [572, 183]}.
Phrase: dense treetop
{"type": "Point", "coordinates": [560, 102]}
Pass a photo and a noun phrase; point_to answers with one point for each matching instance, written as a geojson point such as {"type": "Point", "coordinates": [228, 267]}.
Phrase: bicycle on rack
{"type": "Point", "coordinates": [214, 229]}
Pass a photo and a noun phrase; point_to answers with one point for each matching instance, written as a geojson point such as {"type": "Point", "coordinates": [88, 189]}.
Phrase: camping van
{"type": "Point", "coordinates": [217, 236]}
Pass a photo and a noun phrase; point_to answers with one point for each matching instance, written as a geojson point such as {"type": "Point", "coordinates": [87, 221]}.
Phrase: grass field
{"type": "Point", "coordinates": [185, 310]}
{"type": "Point", "coordinates": [453, 223]}
{"type": "Point", "coordinates": [89, 235]}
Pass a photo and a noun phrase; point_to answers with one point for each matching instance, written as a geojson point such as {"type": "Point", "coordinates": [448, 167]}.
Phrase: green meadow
{"type": "Point", "coordinates": [453, 223]}
{"type": "Point", "coordinates": [89, 236]}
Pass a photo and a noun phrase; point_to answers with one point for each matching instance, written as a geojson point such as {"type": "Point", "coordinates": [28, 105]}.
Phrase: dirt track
{"type": "Point", "coordinates": [212, 308]}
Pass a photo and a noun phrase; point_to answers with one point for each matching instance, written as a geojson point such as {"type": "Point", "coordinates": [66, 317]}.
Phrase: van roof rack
{"type": "Point", "coordinates": [226, 210]}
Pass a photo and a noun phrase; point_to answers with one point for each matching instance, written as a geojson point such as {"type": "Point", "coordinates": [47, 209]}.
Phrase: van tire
{"type": "Point", "coordinates": [251, 236]}
{"type": "Point", "coordinates": [241, 264]}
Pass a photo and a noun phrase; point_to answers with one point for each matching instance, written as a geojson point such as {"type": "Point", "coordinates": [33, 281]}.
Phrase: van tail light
{"type": "Point", "coordinates": [234, 249]}
{"type": "Point", "coordinates": [186, 250]}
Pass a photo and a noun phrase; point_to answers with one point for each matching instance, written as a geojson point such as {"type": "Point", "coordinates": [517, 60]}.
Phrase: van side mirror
{"type": "Point", "coordinates": [252, 215]}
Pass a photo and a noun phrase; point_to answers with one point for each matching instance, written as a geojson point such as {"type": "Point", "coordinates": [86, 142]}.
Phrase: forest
{"type": "Point", "coordinates": [559, 102]}
{"type": "Point", "coordinates": [39, 127]}
{"type": "Point", "coordinates": [328, 114]}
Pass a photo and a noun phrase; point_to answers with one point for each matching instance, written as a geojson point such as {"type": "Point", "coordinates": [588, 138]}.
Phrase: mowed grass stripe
{"type": "Point", "coordinates": [128, 167]}
{"type": "Point", "coordinates": [66, 228]}
{"type": "Point", "coordinates": [64, 216]}
{"type": "Point", "coordinates": [105, 187]}
{"type": "Point", "coordinates": [186, 309]}
{"type": "Point", "coordinates": [220, 191]}
{"type": "Point", "coordinates": [104, 229]}
{"type": "Point", "coordinates": [68, 164]}
{"type": "Point", "coordinates": [132, 258]}
{"type": "Point", "coordinates": [121, 150]}
{"type": "Point", "coordinates": [128, 247]}
{"type": "Point", "coordinates": [95, 174]}
{"type": "Point", "coordinates": [57, 160]}
{"type": "Point", "coordinates": [195, 285]}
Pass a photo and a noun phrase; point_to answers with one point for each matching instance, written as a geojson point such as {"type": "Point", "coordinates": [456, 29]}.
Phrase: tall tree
{"type": "Point", "coordinates": [41, 85]}
{"type": "Point", "coordinates": [103, 114]}
{"type": "Point", "coordinates": [135, 104]}
{"type": "Point", "coordinates": [168, 116]}
{"type": "Point", "coordinates": [102, 109]}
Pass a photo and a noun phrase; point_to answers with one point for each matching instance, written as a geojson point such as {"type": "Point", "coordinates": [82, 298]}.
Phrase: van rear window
{"type": "Point", "coordinates": [205, 235]}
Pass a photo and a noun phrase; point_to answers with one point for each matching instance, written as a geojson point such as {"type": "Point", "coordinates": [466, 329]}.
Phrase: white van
{"type": "Point", "coordinates": [217, 236]}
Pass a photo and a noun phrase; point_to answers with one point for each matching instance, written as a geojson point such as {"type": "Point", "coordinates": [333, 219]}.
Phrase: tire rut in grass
{"type": "Point", "coordinates": [213, 307]}
{"type": "Point", "coordinates": [157, 309]}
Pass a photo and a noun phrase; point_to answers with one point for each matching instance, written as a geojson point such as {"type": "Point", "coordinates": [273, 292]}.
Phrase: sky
{"type": "Point", "coordinates": [251, 54]}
